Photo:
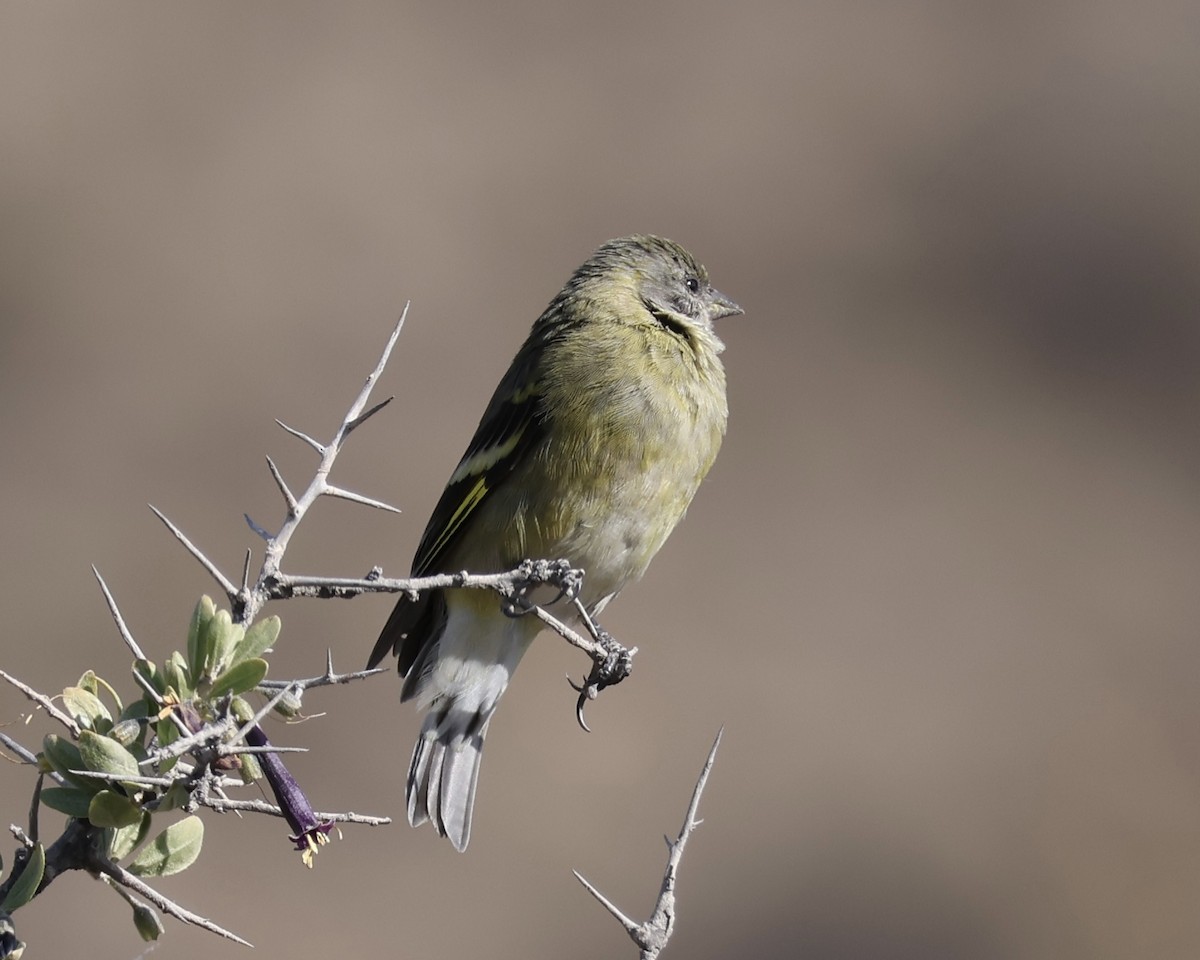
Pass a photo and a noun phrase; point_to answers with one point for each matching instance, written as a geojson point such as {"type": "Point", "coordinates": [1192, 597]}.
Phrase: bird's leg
{"type": "Point", "coordinates": [611, 664]}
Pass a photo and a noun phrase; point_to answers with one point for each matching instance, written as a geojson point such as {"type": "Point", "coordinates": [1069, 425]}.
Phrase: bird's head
{"type": "Point", "coordinates": [652, 280]}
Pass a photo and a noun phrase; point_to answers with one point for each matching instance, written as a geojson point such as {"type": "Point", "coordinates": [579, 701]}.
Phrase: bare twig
{"type": "Point", "coordinates": [229, 750]}
{"type": "Point", "coordinates": [209, 733]}
{"type": "Point", "coordinates": [124, 778]}
{"type": "Point", "coordinates": [24, 755]}
{"type": "Point", "coordinates": [248, 603]}
{"type": "Point", "coordinates": [120, 875]}
{"type": "Point", "coordinates": [652, 936]}
{"type": "Point", "coordinates": [44, 702]}
{"type": "Point", "coordinates": [328, 678]}
{"type": "Point", "coordinates": [611, 662]}
{"type": "Point", "coordinates": [270, 705]}
{"type": "Point", "coordinates": [509, 585]}
{"type": "Point", "coordinates": [226, 805]}
{"type": "Point", "coordinates": [149, 688]}
{"type": "Point", "coordinates": [136, 649]}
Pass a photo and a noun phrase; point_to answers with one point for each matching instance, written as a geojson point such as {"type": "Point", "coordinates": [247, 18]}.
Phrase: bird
{"type": "Point", "coordinates": [591, 449]}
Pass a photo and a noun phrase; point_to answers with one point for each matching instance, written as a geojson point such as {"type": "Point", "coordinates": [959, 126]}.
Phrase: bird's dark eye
{"type": "Point", "coordinates": [692, 284]}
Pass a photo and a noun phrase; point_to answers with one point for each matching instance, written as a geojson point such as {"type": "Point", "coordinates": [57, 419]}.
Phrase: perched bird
{"type": "Point", "coordinates": [591, 450]}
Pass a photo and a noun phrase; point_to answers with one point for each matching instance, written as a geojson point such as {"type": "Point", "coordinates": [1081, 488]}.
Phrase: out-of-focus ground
{"type": "Point", "coordinates": [940, 587]}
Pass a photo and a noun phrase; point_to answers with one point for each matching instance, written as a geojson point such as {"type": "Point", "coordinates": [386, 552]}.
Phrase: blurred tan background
{"type": "Point", "coordinates": [941, 586]}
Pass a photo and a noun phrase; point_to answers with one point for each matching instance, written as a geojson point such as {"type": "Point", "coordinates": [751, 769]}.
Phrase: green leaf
{"type": "Point", "coordinates": [258, 639]}
{"type": "Point", "coordinates": [151, 673]}
{"type": "Point", "coordinates": [176, 676]}
{"type": "Point", "coordinates": [105, 755]}
{"type": "Point", "coordinates": [26, 885]}
{"type": "Point", "coordinates": [64, 757]}
{"type": "Point", "coordinates": [228, 636]}
{"type": "Point", "coordinates": [198, 634]}
{"type": "Point", "coordinates": [168, 733]}
{"type": "Point", "coordinates": [110, 809]}
{"type": "Point", "coordinates": [120, 842]}
{"type": "Point", "coordinates": [85, 707]}
{"type": "Point", "coordinates": [238, 679]}
{"type": "Point", "coordinates": [138, 710]}
{"type": "Point", "coordinates": [69, 800]}
{"type": "Point", "coordinates": [173, 850]}
{"type": "Point", "coordinates": [175, 797]}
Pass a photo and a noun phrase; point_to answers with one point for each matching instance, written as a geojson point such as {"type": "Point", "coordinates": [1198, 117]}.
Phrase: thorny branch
{"type": "Point", "coordinates": [81, 846]}
{"type": "Point", "coordinates": [611, 662]}
{"type": "Point", "coordinates": [119, 875]}
{"type": "Point", "coordinates": [192, 759]}
{"type": "Point", "coordinates": [652, 936]}
{"type": "Point", "coordinates": [201, 746]}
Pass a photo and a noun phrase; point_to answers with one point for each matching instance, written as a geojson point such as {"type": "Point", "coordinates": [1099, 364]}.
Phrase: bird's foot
{"type": "Point", "coordinates": [611, 664]}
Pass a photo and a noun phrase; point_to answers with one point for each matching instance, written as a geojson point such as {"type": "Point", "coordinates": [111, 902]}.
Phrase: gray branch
{"type": "Point", "coordinates": [652, 936]}
{"type": "Point", "coordinates": [248, 602]}
{"type": "Point", "coordinates": [226, 805]}
{"type": "Point", "coordinates": [44, 702]}
{"type": "Point", "coordinates": [119, 875]}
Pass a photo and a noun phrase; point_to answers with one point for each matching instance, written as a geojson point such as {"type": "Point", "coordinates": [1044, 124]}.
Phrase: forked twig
{"type": "Point", "coordinates": [652, 936]}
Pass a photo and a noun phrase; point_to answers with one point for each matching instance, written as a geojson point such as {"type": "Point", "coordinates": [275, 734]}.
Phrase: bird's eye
{"type": "Point", "coordinates": [692, 284]}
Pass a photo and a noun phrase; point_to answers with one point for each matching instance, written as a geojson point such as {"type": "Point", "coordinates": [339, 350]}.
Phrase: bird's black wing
{"type": "Point", "coordinates": [510, 426]}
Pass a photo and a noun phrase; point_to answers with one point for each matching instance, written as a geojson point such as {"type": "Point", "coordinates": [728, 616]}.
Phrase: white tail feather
{"type": "Point", "coordinates": [461, 687]}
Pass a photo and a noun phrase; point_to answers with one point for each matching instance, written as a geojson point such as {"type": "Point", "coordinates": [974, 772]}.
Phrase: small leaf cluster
{"type": "Point", "coordinates": [117, 770]}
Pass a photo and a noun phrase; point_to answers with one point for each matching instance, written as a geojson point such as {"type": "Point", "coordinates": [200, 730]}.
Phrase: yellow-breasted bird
{"type": "Point", "coordinates": [591, 449]}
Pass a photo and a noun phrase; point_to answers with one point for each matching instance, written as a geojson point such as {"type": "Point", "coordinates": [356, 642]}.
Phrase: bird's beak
{"type": "Point", "coordinates": [721, 306]}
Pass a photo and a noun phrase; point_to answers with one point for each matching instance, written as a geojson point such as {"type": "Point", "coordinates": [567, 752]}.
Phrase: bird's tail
{"type": "Point", "coordinates": [444, 772]}
{"type": "Point", "coordinates": [459, 678]}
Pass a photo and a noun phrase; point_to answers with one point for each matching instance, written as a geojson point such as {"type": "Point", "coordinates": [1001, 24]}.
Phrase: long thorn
{"type": "Point", "coordinates": [288, 496]}
{"type": "Point", "coordinates": [332, 491]}
{"type": "Point", "coordinates": [319, 447]}
{"type": "Point", "coordinates": [117, 618]}
{"type": "Point", "coordinates": [362, 418]}
{"type": "Point", "coordinates": [213, 571]}
{"type": "Point", "coordinates": [261, 531]}
{"type": "Point", "coordinates": [608, 905]}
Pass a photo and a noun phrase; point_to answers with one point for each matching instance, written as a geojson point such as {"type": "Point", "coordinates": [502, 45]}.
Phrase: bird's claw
{"type": "Point", "coordinates": [533, 573]}
{"type": "Point", "coordinates": [586, 693]}
{"type": "Point", "coordinates": [615, 665]}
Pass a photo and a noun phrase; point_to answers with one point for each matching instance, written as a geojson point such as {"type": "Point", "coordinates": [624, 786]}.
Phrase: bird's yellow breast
{"type": "Point", "coordinates": [607, 489]}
